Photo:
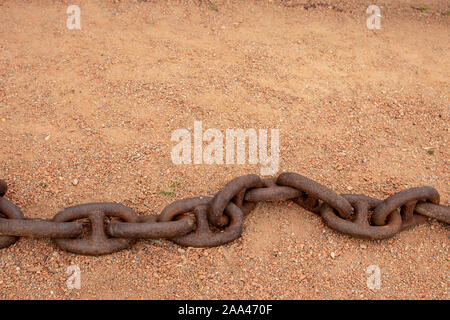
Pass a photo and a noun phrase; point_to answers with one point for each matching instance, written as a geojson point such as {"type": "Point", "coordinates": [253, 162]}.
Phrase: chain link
{"type": "Point", "coordinates": [359, 226]}
{"type": "Point", "coordinates": [9, 211]}
{"type": "Point", "coordinates": [102, 228]}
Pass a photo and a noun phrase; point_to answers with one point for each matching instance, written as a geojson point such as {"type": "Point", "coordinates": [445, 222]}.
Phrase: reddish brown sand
{"type": "Point", "coordinates": [87, 115]}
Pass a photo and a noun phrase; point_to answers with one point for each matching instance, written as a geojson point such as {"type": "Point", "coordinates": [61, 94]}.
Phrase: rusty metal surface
{"type": "Point", "coordinates": [224, 196]}
{"type": "Point", "coordinates": [359, 226]}
{"type": "Point", "coordinates": [151, 229]}
{"type": "Point", "coordinates": [9, 211]}
{"type": "Point", "coordinates": [101, 228]}
{"type": "Point", "coordinates": [3, 188]}
{"type": "Point", "coordinates": [434, 211]}
{"type": "Point", "coordinates": [39, 228]}
{"type": "Point", "coordinates": [314, 192]}
{"type": "Point", "coordinates": [97, 242]}
{"type": "Point", "coordinates": [272, 192]}
{"type": "Point", "coordinates": [180, 207]}
{"type": "Point", "coordinates": [406, 201]}
{"type": "Point", "coordinates": [244, 205]}
{"type": "Point", "coordinates": [203, 236]}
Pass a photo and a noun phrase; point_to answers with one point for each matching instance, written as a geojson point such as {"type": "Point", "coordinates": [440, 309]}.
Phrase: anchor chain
{"type": "Point", "coordinates": [102, 228]}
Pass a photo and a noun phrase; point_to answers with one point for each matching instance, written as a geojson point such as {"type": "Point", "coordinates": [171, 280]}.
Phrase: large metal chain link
{"type": "Point", "coordinates": [102, 228]}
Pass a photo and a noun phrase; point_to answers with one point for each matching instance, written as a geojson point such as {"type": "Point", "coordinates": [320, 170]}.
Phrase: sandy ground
{"type": "Point", "coordinates": [87, 115]}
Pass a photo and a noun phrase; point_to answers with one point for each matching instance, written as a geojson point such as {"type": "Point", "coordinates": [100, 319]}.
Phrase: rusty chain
{"type": "Point", "coordinates": [102, 228]}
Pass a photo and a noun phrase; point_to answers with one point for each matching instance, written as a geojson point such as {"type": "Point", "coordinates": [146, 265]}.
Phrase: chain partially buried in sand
{"type": "Point", "coordinates": [102, 228]}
